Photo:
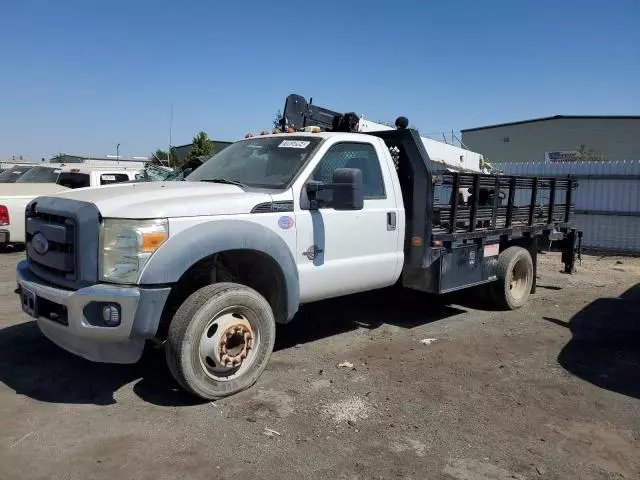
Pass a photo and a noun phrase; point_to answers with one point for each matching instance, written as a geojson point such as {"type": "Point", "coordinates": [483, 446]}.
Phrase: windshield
{"type": "Point", "coordinates": [155, 173]}
{"type": "Point", "coordinates": [12, 174]}
{"type": "Point", "coordinates": [40, 175]}
{"type": "Point", "coordinates": [269, 162]}
{"type": "Point", "coordinates": [177, 174]}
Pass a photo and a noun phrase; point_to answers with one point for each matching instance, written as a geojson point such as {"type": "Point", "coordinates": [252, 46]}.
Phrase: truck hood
{"type": "Point", "coordinates": [30, 189]}
{"type": "Point", "coordinates": [168, 199]}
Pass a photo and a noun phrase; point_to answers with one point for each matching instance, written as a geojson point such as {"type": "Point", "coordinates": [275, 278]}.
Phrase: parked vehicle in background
{"type": "Point", "coordinates": [11, 174]}
{"type": "Point", "coordinates": [208, 266]}
{"type": "Point", "coordinates": [78, 175]}
{"type": "Point", "coordinates": [40, 174]}
{"type": "Point", "coordinates": [49, 180]}
{"type": "Point", "coordinates": [156, 173]}
{"type": "Point", "coordinates": [153, 172]}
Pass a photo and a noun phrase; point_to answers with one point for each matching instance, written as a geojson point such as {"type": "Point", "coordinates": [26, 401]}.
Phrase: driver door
{"type": "Point", "coordinates": [345, 251]}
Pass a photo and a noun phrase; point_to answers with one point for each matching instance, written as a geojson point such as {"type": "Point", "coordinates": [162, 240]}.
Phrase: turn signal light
{"type": "Point", "coordinates": [152, 240]}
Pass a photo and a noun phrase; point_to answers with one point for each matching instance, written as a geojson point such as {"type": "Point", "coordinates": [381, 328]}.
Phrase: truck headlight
{"type": "Point", "coordinates": [126, 246]}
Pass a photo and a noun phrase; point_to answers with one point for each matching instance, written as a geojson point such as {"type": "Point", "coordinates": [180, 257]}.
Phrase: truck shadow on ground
{"type": "Point", "coordinates": [11, 249]}
{"type": "Point", "coordinates": [605, 346]}
{"type": "Point", "coordinates": [33, 366]}
{"type": "Point", "coordinates": [402, 308]}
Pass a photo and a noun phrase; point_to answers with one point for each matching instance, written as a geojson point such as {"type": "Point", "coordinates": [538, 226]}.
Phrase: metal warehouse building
{"type": "Point", "coordinates": [558, 138]}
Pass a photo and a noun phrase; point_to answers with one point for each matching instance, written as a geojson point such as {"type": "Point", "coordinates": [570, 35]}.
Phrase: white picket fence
{"type": "Point", "coordinates": [607, 200]}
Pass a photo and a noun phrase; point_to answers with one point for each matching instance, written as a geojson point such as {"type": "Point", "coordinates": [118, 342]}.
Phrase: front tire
{"type": "Point", "coordinates": [220, 340]}
{"type": "Point", "coordinates": [515, 278]}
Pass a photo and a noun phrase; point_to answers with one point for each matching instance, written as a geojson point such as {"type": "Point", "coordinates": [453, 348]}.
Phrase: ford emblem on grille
{"type": "Point", "coordinates": [40, 243]}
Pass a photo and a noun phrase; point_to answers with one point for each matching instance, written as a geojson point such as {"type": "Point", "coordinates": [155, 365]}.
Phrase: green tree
{"type": "Point", "coordinates": [201, 146]}
{"type": "Point", "coordinates": [59, 158]}
{"type": "Point", "coordinates": [588, 154]}
{"type": "Point", "coordinates": [160, 157]}
{"type": "Point", "coordinates": [277, 119]}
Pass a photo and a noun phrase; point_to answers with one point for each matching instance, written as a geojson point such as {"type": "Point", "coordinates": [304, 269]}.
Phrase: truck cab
{"type": "Point", "coordinates": [208, 266]}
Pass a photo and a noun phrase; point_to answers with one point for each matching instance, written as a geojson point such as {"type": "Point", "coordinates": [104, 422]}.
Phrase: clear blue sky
{"type": "Point", "coordinates": [80, 77]}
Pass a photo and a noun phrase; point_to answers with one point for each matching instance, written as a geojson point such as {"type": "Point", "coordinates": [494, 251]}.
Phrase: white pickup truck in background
{"type": "Point", "coordinates": [49, 180]}
{"type": "Point", "coordinates": [9, 173]}
{"type": "Point", "coordinates": [208, 266]}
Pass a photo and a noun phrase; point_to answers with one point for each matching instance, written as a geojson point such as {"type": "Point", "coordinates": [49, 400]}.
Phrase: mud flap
{"type": "Point", "coordinates": [534, 257]}
{"type": "Point", "coordinates": [569, 250]}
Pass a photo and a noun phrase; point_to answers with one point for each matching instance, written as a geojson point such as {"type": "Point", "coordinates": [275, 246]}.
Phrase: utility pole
{"type": "Point", "coordinates": [170, 126]}
{"type": "Point", "coordinates": [118, 153]}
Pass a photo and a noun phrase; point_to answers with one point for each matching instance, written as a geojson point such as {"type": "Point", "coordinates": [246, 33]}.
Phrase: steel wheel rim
{"type": "Point", "coordinates": [228, 344]}
{"type": "Point", "coordinates": [519, 279]}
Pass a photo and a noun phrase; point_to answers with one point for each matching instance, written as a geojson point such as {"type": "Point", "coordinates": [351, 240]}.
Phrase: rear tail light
{"type": "Point", "coordinates": [4, 215]}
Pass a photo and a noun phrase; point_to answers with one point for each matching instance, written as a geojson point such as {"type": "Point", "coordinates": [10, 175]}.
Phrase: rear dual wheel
{"type": "Point", "coordinates": [220, 340]}
{"type": "Point", "coordinates": [515, 277]}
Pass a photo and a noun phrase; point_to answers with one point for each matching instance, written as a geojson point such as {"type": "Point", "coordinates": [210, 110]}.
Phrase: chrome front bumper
{"type": "Point", "coordinates": [140, 312]}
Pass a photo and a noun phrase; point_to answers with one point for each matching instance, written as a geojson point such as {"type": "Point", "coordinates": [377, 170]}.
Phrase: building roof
{"type": "Point", "coordinates": [66, 158]}
{"type": "Point", "coordinates": [182, 151]}
{"type": "Point", "coordinates": [556, 117]}
{"type": "Point", "coordinates": [221, 142]}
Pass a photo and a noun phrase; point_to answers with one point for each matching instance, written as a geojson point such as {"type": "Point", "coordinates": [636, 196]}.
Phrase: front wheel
{"type": "Point", "coordinates": [515, 278]}
{"type": "Point", "coordinates": [220, 340]}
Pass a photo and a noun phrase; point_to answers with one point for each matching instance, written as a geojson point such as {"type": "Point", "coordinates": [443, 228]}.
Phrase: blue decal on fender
{"type": "Point", "coordinates": [285, 223]}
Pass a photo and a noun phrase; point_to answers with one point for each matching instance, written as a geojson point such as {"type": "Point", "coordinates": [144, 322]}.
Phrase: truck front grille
{"type": "Point", "coordinates": [62, 241]}
{"type": "Point", "coordinates": [50, 243]}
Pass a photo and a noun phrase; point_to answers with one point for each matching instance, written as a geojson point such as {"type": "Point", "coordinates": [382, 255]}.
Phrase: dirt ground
{"type": "Point", "coordinates": [551, 391]}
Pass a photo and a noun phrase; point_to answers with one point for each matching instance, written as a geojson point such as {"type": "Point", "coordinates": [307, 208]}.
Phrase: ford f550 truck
{"type": "Point", "coordinates": [208, 266]}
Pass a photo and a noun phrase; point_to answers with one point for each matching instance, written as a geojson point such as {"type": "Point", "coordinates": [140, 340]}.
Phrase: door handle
{"type": "Point", "coordinates": [391, 221]}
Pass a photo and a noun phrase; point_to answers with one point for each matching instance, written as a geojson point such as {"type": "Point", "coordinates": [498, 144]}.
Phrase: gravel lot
{"type": "Point", "coordinates": [550, 391]}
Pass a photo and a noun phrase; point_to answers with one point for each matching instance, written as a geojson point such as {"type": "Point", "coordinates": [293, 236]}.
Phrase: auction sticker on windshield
{"type": "Point", "coordinates": [294, 144]}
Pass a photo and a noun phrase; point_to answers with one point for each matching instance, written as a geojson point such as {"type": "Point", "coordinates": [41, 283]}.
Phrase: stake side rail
{"type": "Point", "coordinates": [499, 205]}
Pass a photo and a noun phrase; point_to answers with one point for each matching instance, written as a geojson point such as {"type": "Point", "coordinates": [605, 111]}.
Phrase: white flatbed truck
{"type": "Point", "coordinates": [208, 266]}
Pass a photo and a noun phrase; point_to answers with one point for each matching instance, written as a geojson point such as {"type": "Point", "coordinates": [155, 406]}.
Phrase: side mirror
{"type": "Point", "coordinates": [347, 192]}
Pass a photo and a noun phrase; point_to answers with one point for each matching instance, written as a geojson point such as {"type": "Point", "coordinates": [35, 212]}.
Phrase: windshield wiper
{"type": "Point", "coordinates": [226, 181]}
